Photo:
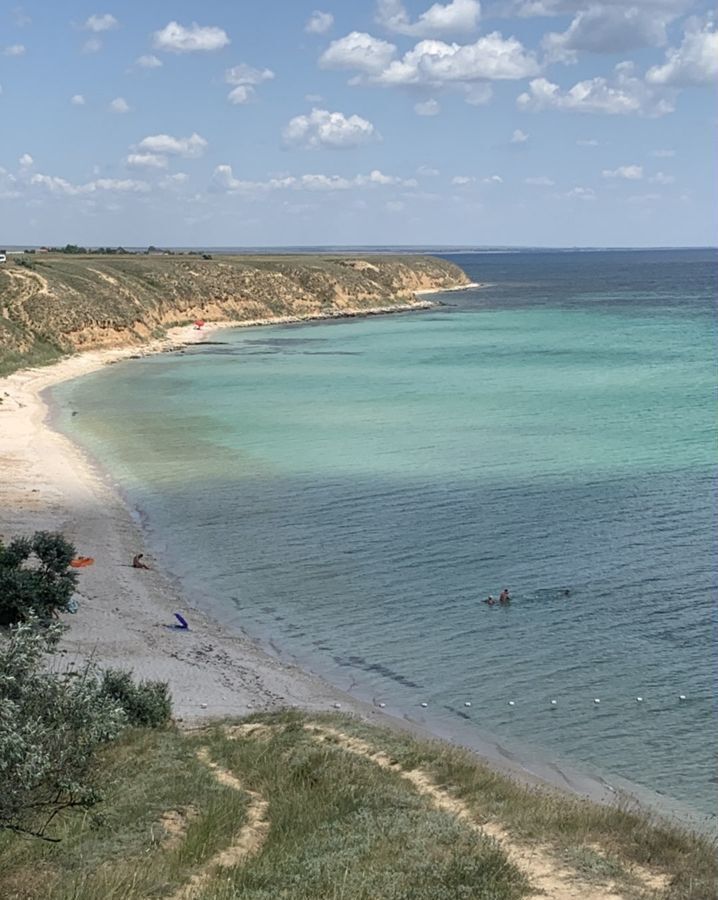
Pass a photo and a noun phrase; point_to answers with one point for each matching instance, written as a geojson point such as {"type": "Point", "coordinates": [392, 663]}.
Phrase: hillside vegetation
{"type": "Point", "coordinates": [51, 304]}
{"type": "Point", "coordinates": [325, 807]}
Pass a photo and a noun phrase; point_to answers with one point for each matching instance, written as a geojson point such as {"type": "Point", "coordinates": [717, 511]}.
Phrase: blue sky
{"type": "Point", "coordinates": [246, 123]}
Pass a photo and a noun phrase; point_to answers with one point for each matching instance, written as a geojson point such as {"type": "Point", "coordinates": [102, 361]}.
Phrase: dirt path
{"type": "Point", "coordinates": [248, 841]}
{"type": "Point", "coordinates": [547, 876]}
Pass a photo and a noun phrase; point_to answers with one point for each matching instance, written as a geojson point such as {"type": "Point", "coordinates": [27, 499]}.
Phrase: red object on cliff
{"type": "Point", "coordinates": [82, 562]}
{"type": "Point", "coordinates": [199, 324]}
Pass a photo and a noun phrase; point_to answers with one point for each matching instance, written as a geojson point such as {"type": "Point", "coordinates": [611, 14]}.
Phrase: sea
{"type": "Point", "coordinates": [350, 492]}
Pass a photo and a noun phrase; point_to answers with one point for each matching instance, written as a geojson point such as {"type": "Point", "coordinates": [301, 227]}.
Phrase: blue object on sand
{"type": "Point", "coordinates": [182, 622]}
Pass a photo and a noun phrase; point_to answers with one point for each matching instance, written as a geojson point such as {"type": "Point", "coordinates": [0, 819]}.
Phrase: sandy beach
{"type": "Point", "coordinates": [125, 615]}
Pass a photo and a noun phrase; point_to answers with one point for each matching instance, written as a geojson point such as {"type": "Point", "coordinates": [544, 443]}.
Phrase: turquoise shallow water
{"type": "Point", "coordinates": [350, 491]}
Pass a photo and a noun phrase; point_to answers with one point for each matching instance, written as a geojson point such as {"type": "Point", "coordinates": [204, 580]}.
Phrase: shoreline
{"type": "Point", "coordinates": [212, 670]}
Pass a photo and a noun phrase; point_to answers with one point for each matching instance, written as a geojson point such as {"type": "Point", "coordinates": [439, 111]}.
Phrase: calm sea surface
{"type": "Point", "coordinates": [351, 491]}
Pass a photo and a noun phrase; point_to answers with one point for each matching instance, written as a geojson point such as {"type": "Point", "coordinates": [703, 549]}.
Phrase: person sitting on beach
{"type": "Point", "coordinates": [504, 596]}
{"type": "Point", "coordinates": [490, 600]}
{"type": "Point", "coordinates": [137, 561]}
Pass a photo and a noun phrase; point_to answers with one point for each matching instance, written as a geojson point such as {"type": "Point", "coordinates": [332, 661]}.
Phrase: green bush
{"type": "Point", "coordinates": [50, 726]}
{"type": "Point", "coordinates": [35, 577]}
{"type": "Point", "coordinates": [146, 703]}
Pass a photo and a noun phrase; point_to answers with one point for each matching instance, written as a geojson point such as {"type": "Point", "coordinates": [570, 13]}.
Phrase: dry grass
{"type": "Point", "coordinates": [309, 808]}
{"type": "Point", "coordinates": [55, 303]}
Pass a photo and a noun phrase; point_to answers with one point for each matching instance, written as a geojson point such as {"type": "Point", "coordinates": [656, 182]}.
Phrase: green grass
{"type": "Point", "coordinates": [341, 827]}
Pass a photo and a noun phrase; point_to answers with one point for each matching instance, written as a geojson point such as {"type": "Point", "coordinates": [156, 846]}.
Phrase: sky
{"type": "Point", "coordinates": [358, 122]}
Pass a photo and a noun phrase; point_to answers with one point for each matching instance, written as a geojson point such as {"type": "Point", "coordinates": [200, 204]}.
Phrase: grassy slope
{"type": "Point", "coordinates": [58, 303]}
{"type": "Point", "coordinates": [340, 826]}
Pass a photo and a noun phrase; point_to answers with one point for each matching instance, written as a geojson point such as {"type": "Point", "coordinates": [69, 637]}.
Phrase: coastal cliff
{"type": "Point", "coordinates": [57, 303]}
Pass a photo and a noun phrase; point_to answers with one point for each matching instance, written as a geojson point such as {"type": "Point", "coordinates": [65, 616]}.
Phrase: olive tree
{"type": "Point", "coordinates": [35, 577]}
{"type": "Point", "coordinates": [51, 723]}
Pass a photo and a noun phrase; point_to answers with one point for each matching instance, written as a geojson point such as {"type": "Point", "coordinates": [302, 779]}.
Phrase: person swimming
{"type": "Point", "coordinates": [490, 601]}
{"type": "Point", "coordinates": [504, 597]}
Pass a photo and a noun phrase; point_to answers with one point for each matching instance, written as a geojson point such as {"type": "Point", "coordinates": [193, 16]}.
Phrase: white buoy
{"type": "Point", "coordinates": [554, 703]}
{"type": "Point", "coordinates": [424, 705]}
{"type": "Point", "coordinates": [596, 700]}
{"type": "Point", "coordinates": [382, 705]}
{"type": "Point", "coordinates": [511, 703]}
{"type": "Point", "coordinates": [639, 699]}
{"type": "Point", "coordinates": [467, 703]}
{"type": "Point", "coordinates": [681, 696]}
{"type": "Point", "coordinates": [337, 706]}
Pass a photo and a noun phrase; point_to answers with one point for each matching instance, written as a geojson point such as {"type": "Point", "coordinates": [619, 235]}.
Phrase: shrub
{"type": "Point", "coordinates": [35, 578]}
{"type": "Point", "coordinates": [50, 725]}
{"type": "Point", "coordinates": [146, 704]}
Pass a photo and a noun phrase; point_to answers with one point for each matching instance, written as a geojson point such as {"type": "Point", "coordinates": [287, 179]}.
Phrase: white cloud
{"type": "Point", "coordinates": [147, 160]}
{"type": "Point", "coordinates": [624, 95]}
{"type": "Point", "coordinates": [175, 38]}
{"type": "Point", "coordinates": [245, 79]}
{"type": "Point", "coordinates": [26, 161]}
{"type": "Point", "coordinates": [104, 22]}
{"type": "Point", "coordinates": [435, 64]}
{"type": "Point", "coordinates": [334, 130]}
{"type": "Point", "coordinates": [630, 173]}
{"type": "Point", "coordinates": [477, 94]}
{"type": "Point", "coordinates": [77, 100]}
{"type": "Point", "coordinates": [587, 142]}
{"type": "Point", "coordinates": [119, 105]}
{"type": "Point", "coordinates": [427, 171]}
{"type": "Point", "coordinates": [492, 179]}
{"type": "Point", "coordinates": [224, 180]}
{"type": "Point", "coordinates": [462, 180]}
{"type": "Point", "coordinates": [643, 198]}
{"type": "Point", "coordinates": [319, 22]}
{"type": "Point", "coordinates": [148, 61]}
{"type": "Point", "coordinates": [360, 51]}
{"type": "Point", "coordinates": [662, 178]}
{"type": "Point", "coordinates": [540, 181]}
{"type": "Point", "coordinates": [427, 108]}
{"type": "Point", "coordinates": [663, 154]}
{"type": "Point", "coordinates": [14, 50]}
{"type": "Point", "coordinates": [519, 137]}
{"type": "Point", "coordinates": [92, 45]}
{"type": "Point", "coordinates": [188, 147]}
{"type": "Point", "coordinates": [608, 29]}
{"type": "Point", "coordinates": [695, 62]}
{"type": "Point", "coordinates": [454, 18]}
{"type": "Point", "coordinates": [581, 193]}
{"type": "Point", "coordinates": [55, 185]}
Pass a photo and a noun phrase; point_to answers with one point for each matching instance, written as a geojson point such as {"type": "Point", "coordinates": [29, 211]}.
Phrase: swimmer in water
{"type": "Point", "coordinates": [504, 597]}
{"type": "Point", "coordinates": [490, 601]}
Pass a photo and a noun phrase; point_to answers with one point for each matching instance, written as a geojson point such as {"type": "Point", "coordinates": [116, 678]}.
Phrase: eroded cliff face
{"type": "Point", "coordinates": [59, 303]}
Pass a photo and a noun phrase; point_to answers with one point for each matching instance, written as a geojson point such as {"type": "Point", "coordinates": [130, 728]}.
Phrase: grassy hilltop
{"type": "Point", "coordinates": [54, 303]}
{"type": "Point", "coordinates": [324, 807]}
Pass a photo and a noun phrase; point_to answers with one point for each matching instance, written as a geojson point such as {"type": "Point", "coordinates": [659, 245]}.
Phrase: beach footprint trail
{"type": "Point", "coordinates": [549, 877]}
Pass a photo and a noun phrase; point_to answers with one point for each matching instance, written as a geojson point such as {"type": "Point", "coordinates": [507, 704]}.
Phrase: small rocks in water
{"type": "Point", "coordinates": [596, 700]}
{"type": "Point", "coordinates": [467, 702]}
{"type": "Point", "coordinates": [203, 706]}
{"type": "Point", "coordinates": [639, 699]}
{"type": "Point", "coordinates": [382, 705]}
{"type": "Point", "coordinates": [337, 705]}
